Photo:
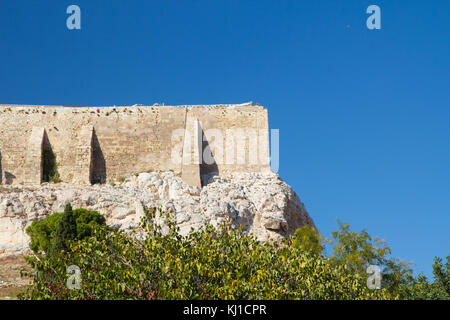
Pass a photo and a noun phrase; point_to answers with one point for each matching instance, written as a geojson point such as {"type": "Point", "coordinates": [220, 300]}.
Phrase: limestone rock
{"type": "Point", "coordinates": [262, 204]}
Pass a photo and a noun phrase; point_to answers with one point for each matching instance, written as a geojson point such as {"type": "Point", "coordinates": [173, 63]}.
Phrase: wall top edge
{"type": "Point", "coordinates": [249, 105]}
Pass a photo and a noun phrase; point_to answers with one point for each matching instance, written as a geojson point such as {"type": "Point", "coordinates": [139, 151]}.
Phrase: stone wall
{"type": "Point", "coordinates": [100, 144]}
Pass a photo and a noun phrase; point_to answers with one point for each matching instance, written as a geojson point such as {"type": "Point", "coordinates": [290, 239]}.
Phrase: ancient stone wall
{"type": "Point", "coordinates": [103, 144]}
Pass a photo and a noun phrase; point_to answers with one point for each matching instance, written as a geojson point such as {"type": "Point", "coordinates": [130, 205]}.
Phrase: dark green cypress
{"type": "Point", "coordinates": [66, 230]}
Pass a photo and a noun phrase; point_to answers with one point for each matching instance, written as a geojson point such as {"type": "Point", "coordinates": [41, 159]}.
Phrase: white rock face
{"type": "Point", "coordinates": [262, 204]}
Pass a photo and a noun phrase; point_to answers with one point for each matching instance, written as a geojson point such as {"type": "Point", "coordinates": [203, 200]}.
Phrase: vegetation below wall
{"type": "Point", "coordinates": [46, 235]}
{"type": "Point", "coordinates": [50, 167]}
{"type": "Point", "coordinates": [212, 263]}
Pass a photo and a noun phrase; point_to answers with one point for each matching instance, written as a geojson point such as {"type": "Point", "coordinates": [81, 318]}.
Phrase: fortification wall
{"type": "Point", "coordinates": [100, 144]}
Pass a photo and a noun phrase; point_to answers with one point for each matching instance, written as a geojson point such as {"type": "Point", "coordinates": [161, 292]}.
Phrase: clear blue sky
{"type": "Point", "coordinates": [364, 116]}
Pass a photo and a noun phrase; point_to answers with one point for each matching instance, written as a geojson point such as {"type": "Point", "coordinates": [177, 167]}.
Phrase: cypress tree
{"type": "Point", "coordinates": [66, 230]}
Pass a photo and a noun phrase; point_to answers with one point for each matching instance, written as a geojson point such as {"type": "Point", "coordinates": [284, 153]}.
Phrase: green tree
{"type": "Point", "coordinates": [441, 273]}
{"type": "Point", "coordinates": [66, 229]}
{"type": "Point", "coordinates": [308, 239]}
{"type": "Point", "coordinates": [209, 263]}
{"type": "Point", "coordinates": [86, 221]}
{"type": "Point", "coordinates": [420, 288]}
{"type": "Point", "coordinates": [359, 250]}
{"type": "Point", "coordinates": [43, 233]}
{"type": "Point", "coordinates": [221, 263]}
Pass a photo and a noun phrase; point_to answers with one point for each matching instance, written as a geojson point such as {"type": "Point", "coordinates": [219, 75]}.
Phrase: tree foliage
{"type": "Point", "coordinates": [156, 262]}
{"type": "Point", "coordinates": [358, 250]}
{"type": "Point", "coordinates": [210, 263]}
{"type": "Point", "coordinates": [50, 166]}
{"type": "Point", "coordinates": [66, 229]}
{"type": "Point", "coordinates": [70, 224]}
{"type": "Point", "coordinates": [308, 239]}
{"type": "Point", "coordinates": [442, 274]}
{"type": "Point", "coordinates": [420, 288]}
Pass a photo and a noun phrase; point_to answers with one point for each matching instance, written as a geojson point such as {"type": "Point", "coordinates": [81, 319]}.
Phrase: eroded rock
{"type": "Point", "coordinates": [262, 204]}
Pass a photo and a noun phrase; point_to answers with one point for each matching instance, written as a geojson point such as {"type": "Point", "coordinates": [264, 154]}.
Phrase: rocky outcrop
{"type": "Point", "coordinates": [262, 204]}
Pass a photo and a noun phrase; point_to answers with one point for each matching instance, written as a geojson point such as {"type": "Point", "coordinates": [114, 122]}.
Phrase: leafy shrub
{"type": "Point", "coordinates": [209, 263]}
{"type": "Point", "coordinates": [66, 229]}
{"type": "Point", "coordinates": [50, 167]}
{"type": "Point", "coordinates": [357, 251]}
{"type": "Point", "coordinates": [308, 239]}
{"type": "Point", "coordinates": [421, 289]}
{"type": "Point", "coordinates": [217, 263]}
{"type": "Point", "coordinates": [43, 233]}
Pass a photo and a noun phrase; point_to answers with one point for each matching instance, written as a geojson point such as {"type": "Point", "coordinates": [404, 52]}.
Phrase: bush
{"type": "Point", "coordinates": [66, 229]}
{"type": "Point", "coordinates": [439, 289]}
{"type": "Point", "coordinates": [357, 251]}
{"type": "Point", "coordinates": [50, 167]}
{"type": "Point", "coordinates": [308, 239]}
{"type": "Point", "coordinates": [43, 234]}
{"type": "Point", "coordinates": [217, 263]}
{"type": "Point", "coordinates": [209, 263]}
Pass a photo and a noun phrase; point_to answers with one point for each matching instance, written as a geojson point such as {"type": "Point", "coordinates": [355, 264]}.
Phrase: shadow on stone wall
{"type": "Point", "coordinates": [9, 177]}
{"type": "Point", "coordinates": [98, 162]}
{"type": "Point", "coordinates": [208, 166]}
{"type": "Point", "coordinates": [49, 167]}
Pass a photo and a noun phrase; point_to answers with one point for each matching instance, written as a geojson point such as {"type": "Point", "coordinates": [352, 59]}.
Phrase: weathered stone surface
{"type": "Point", "coordinates": [104, 144]}
{"type": "Point", "coordinates": [261, 203]}
{"type": "Point", "coordinates": [33, 156]}
{"type": "Point", "coordinates": [192, 152]}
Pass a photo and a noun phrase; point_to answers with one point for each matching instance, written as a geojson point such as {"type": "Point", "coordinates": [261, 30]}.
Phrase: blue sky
{"type": "Point", "coordinates": [363, 114]}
